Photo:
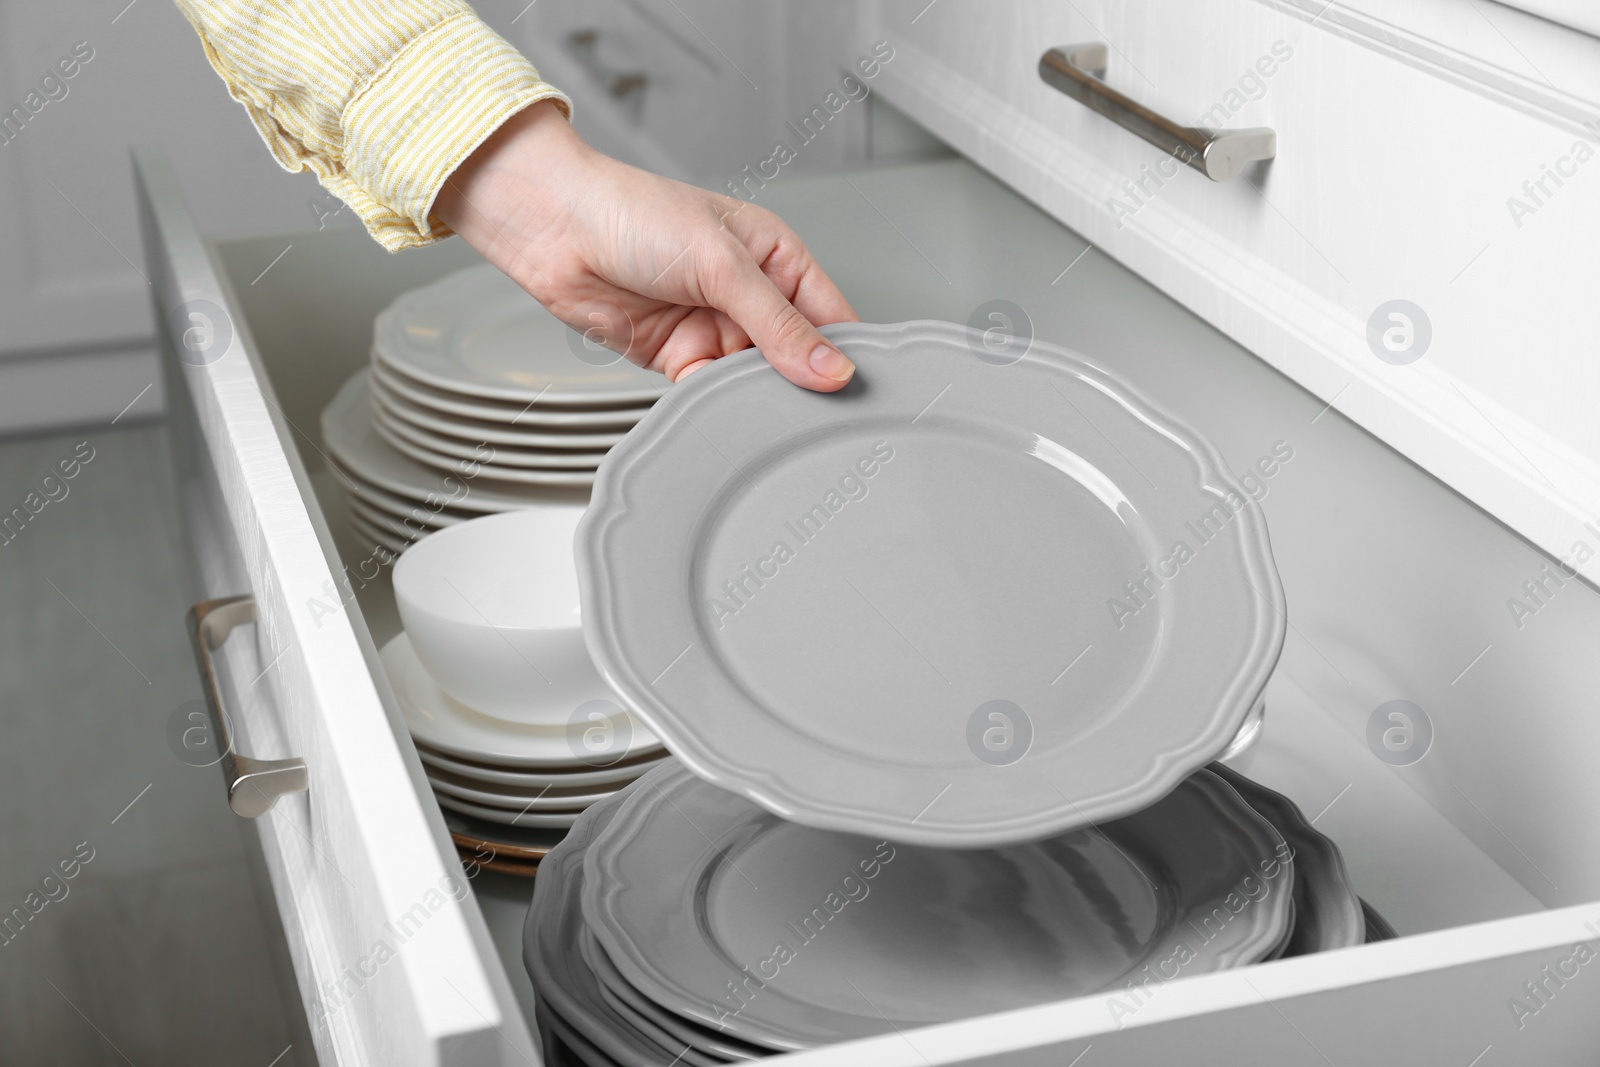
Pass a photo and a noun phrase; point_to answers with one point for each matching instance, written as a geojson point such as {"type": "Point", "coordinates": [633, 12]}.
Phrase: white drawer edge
{"type": "Point", "coordinates": [1485, 452]}
{"type": "Point", "coordinates": [289, 573]}
{"type": "Point", "coordinates": [1098, 1017]}
{"type": "Point", "coordinates": [337, 1039]}
{"type": "Point", "coordinates": [354, 753]}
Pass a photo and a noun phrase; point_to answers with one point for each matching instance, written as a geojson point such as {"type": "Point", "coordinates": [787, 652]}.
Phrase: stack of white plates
{"type": "Point", "coordinates": [392, 499]}
{"type": "Point", "coordinates": [472, 369]}
{"type": "Point", "coordinates": [516, 729]}
{"type": "Point", "coordinates": [477, 400]}
{"type": "Point", "coordinates": [777, 937]}
{"type": "Point", "coordinates": [499, 778]}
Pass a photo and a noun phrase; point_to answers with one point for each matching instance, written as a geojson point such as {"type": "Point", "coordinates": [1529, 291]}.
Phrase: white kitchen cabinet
{"type": "Point", "coordinates": [704, 90]}
{"type": "Point", "coordinates": [1575, 13]}
{"type": "Point", "coordinates": [76, 339]}
{"type": "Point", "coordinates": [1438, 153]}
{"type": "Point", "coordinates": [1396, 586]}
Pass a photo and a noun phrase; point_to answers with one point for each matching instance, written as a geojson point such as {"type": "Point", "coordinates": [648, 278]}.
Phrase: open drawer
{"type": "Point", "coordinates": [1398, 589]}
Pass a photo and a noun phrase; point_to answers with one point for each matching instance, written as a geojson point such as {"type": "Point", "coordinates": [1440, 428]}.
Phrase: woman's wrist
{"type": "Point", "coordinates": [523, 157]}
{"type": "Point", "coordinates": [689, 278]}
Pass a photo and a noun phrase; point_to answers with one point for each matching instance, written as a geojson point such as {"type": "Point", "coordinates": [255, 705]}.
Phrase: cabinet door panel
{"type": "Point", "coordinates": [1435, 169]}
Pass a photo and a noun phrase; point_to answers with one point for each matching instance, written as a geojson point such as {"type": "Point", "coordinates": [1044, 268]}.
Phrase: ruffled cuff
{"type": "Point", "coordinates": [416, 119]}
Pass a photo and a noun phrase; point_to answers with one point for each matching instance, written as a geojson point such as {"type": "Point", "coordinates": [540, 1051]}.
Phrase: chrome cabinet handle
{"type": "Point", "coordinates": [254, 785]}
{"type": "Point", "coordinates": [1076, 70]}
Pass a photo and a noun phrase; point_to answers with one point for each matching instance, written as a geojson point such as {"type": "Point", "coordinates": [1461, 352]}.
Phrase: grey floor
{"type": "Point", "coordinates": [156, 951]}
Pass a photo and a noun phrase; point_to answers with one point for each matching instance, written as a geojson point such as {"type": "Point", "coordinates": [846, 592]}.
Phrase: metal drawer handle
{"type": "Point", "coordinates": [1076, 69]}
{"type": "Point", "coordinates": [254, 785]}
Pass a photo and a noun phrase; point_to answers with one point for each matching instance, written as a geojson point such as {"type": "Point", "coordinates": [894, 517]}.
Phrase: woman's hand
{"type": "Point", "coordinates": [670, 275]}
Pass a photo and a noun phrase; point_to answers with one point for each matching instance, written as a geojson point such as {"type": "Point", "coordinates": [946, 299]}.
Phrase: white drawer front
{"type": "Point", "coordinates": [1405, 135]}
{"type": "Point", "coordinates": [390, 951]}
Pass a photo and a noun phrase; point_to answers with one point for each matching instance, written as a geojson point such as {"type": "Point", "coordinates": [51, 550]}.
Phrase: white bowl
{"type": "Point", "coordinates": [491, 607]}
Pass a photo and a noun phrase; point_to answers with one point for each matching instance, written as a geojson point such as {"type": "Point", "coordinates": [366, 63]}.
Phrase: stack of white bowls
{"type": "Point", "coordinates": [517, 732]}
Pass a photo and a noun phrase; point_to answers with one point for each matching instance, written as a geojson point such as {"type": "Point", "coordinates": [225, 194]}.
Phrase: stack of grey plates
{"type": "Point", "coordinates": [679, 923]}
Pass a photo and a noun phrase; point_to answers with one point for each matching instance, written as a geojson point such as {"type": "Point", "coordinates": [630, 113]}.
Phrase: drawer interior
{"type": "Point", "coordinates": [1398, 589]}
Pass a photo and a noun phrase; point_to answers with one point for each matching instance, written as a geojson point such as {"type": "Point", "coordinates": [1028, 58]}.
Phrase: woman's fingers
{"type": "Point", "coordinates": [700, 335]}
{"type": "Point", "coordinates": [802, 281]}
{"type": "Point", "coordinates": [737, 286]}
{"type": "Point", "coordinates": [818, 299]}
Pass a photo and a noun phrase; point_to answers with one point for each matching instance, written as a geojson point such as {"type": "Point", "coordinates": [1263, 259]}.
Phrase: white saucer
{"type": "Point", "coordinates": [541, 820]}
{"type": "Point", "coordinates": [545, 799]}
{"type": "Point", "coordinates": [440, 722]}
{"type": "Point", "coordinates": [614, 777]}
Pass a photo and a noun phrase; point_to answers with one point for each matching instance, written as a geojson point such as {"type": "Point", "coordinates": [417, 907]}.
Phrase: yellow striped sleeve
{"type": "Point", "coordinates": [380, 100]}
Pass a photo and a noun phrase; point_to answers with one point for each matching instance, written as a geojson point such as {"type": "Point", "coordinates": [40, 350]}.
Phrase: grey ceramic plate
{"type": "Point", "coordinates": [550, 948]}
{"type": "Point", "coordinates": [563, 1046]}
{"type": "Point", "coordinates": [953, 604]}
{"type": "Point", "coordinates": [790, 937]}
{"type": "Point", "coordinates": [477, 333]}
{"type": "Point", "coordinates": [445, 724]}
{"type": "Point", "coordinates": [1327, 910]}
{"type": "Point", "coordinates": [632, 1004]}
{"type": "Point", "coordinates": [1281, 949]}
{"type": "Point", "coordinates": [673, 1044]}
{"type": "Point", "coordinates": [1378, 928]}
